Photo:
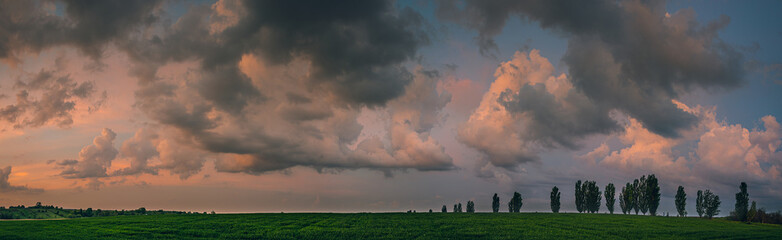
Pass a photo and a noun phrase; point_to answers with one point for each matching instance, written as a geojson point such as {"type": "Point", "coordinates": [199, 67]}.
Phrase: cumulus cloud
{"type": "Point", "coordinates": [627, 55]}
{"type": "Point", "coordinates": [331, 140]}
{"type": "Point", "coordinates": [328, 64]}
{"type": "Point", "coordinates": [94, 159]}
{"type": "Point", "coordinates": [47, 97]}
{"type": "Point", "coordinates": [527, 110]}
{"type": "Point", "coordinates": [712, 152]}
{"type": "Point", "coordinates": [282, 84]}
{"type": "Point", "coordinates": [6, 186]}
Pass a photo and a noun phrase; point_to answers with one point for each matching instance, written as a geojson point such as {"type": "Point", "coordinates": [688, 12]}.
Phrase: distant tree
{"type": "Point", "coordinates": [681, 202]}
{"type": "Point", "coordinates": [579, 197]}
{"type": "Point", "coordinates": [742, 203]}
{"type": "Point", "coordinates": [445, 209]}
{"type": "Point", "coordinates": [753, 211]}
{"type": "Point", "coordinates": [699, 208]}
{"type": "Point", "coordinates": [652, 194]}
{"type": "Point", "coordinates": [642, 200]}
{"type": "Point", "coordinates": [515, 203]}
{"type": "Point", "coordinates": [555, 194]}
{"type": "Point", "coordinates": [460, 207]}
{"type": "Point", "coordinates": [88, 212]}
{"type": "Point", "coordinates": [622, 203]}
{"type": "Point", "coordinates": [470, 207]}
{"type": "Point", "coordinates": [495, 203]}
{"type": "Point", "coordinates": [430, 210]}
{"type": "Point", "coordinates": [591, 196]}
{"type": "Point", "coordinates": [456, 208]}
{"type": "Point", "coordinates": [636, 196]}
{"type": "Point", "coordinates": [711, 203]}
{"type": "Point", "coordinates": [627, 198]}
{"type": "Point", "coordinates": [38, 204]}
{"type": "Point", "coordinates": [609, 194]}
{"type": "Point", "coordinates": [141, 210]}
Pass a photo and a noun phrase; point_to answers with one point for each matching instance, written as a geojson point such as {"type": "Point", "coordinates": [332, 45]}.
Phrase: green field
{"type": "Point", "coordinates": [387, 226]}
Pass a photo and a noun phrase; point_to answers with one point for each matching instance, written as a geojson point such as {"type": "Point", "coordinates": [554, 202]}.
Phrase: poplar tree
{"type": "Point", "coordinates": [579, 197]}
{"type": "Point", "coordinates": [699, 204]}
{"type": "Point", "coordinates": [495, 203]}
{"type": "Point", "coordinates": [555, 194]}
{"type": "Point", "coordinates": [470, 207]}
{"type": "Point", "coordinates": [742, 203]}
{"type": "Point", "coordinates": [652, 194]}
{"type": "Point", "coordinates": [515, 203]}
{"type": "Point", "coordinates": [681, 201]}
{"type": "Point", "coordinates": [609, 194]}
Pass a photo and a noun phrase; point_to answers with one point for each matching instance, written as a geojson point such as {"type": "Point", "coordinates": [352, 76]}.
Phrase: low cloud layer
{"type": "Point", "coordinates": [6, 186]}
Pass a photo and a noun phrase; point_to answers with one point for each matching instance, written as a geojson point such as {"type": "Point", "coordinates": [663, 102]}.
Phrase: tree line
{"type": "Point", "coordinates": [40, 211]}
{"type": "Point", "coordinates": [641, 195]}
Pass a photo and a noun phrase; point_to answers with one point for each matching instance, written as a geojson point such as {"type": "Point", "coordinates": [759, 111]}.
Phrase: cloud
{"type": "Point", "coordinates": [324, 142]}
{"type": "Point", "coordinates": [139, 149]}
{"type": "Point", "coordinates": [528, 110]}
{"type": "Point", "coordinates": [625, 55]}
{"type": "Point", "coordinates": [87, 25]}
{"type": "Point", "coordinates": [6, 186]}
{"type": "Point", "coordinates": [94, 159]}
{"type": "Point", "coordinates": [711, 152]}
{"type": "Point", "coordinates": [357, 56]}
{"type": "Point", "coordinates": [319, 66]}
{"type": "Point", "coordinates": [46, 97]}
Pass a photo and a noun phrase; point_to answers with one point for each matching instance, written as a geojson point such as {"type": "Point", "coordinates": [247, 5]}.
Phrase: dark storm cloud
{"type": "Point", "coordinates": [6, 186]}
{"type": "Point", "coordinates": [87, 25]}
{"type": "Point", "coordinates": [557, 123]}
{"type": "Point", "coordinates": [354, 51]}
{"type": "Point", "coordinates": [627, 55]}
{"type": "Point", "coordinates": [356, 47]}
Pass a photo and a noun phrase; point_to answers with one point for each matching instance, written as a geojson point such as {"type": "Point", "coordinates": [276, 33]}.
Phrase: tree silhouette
{"type": "Point", "coordinates": [470, 207]}
{"type": "Point", "coordinates": [753, 211]}
{"type": "Point", "coordinates": [626, 199]}
{"type": "Point", "coordinates": [591, 196]}
{"type": "Point", "coordinates": [495, 203]}
{"type": "Point", "coordinates": [515, 203]}
{"type": "Point", "coordinates": [699, 208]}
{"type": "Point", "coordinates": [609, 194]}
{"type": "Point", "coordinates": [555, 194]}
{"type": "Point", "coordinates": [579, 197]}
{"type": "Point", "coordinates": [652, 194]}
{"type": "Point", "coordinates": [641, 200]}
{"type": "Point", "coordinates": [681, 201]}
{"type": "Point", "coordinates": [742, 203]}
{"type": "Point", "coordinates": [445, 209]}
{"type": "Point", "coordinates": [711, 203]}
{"type": "Point", "coordinates": [637, 196]}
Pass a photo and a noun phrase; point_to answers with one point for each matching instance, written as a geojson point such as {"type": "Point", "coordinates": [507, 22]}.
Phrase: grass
{"type": "Point", "coordinates": [387, 226]}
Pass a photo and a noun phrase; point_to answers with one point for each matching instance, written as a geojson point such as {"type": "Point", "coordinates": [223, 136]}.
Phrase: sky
{"type": "Point", "coordinates": [356, 106]}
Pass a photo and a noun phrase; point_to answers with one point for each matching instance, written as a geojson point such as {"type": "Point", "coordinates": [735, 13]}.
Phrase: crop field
{"type": "Point", "coordinates": [387, 226]}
